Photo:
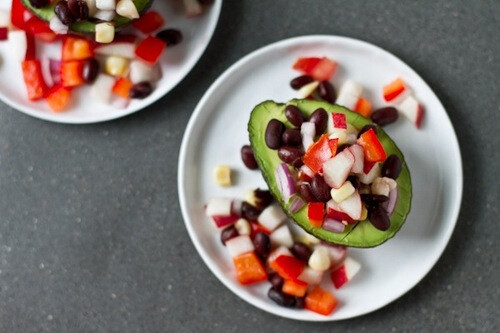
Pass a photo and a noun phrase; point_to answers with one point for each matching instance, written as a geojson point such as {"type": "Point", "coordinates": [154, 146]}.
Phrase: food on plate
{"type": "Point", "coordinates": [222, 175]}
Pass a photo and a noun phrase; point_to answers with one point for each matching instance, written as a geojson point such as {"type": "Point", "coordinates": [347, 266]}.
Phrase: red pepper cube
{"type": "Point", "coordinates": [150, 50]}
{"type": "Point", "coordinates": [320, 301]}
{"type": "Point", "coordinates": [30, 47]}
{"type": "Point", "coordinates": [294, 287]}
{"type": "Point", "coordinates": [58, 98]}
{"type": "Point", "coordinates": [394, 89]}
{"type": "Point", "coordinates": [324, 69]}
{"type": "Point", "coordinates": [289, 268]}
{"type": "Point", "coordinates": [316, 213]}
{"type": "Point", "coordinates": [33, 78]}
{"type": "Point", "coordinates": [122, 87]}
{"type": "Point", "coordinates": [72, 74]}
{"type": "Point", "coordinates": [75, 48]}
{"type": "Point", "coordinates": [249, 268]}
{"type": "Point", "coordinates": [318, 153]}
{"type": "Point", "coordinates": [373, 149]}
{"type": "Point", "coordinates": [19, 14]}
{"type": "Point", "coordinates": [149, 22]}
{"type": "Point", "coordinates": [363, 107]}
{"type": "Point", "coordinates": [306, 65]}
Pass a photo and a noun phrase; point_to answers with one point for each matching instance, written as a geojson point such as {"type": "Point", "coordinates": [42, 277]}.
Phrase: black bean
{"type": "Point", "coordinates": [274, 130]}
{"type": "Point", "coordinates": [300, 81]}
{"type": "Point", "coordinates": [248, 157]}
{"type": "Point", "coordinates": [354, 181]}
{"type": "Point", "coordinates": [228, 233]}
{"type": "Point", "coordinates": [79, 9]}
{"type": "Point", "coordinates": [281, 298]}
{"type": "Point", "coordinates": [300, 302]}
{"type": "Point", "coordinates": [291, 137]}
{"type": "Point", "coordinates": [262, 244]}
{"type": "Point", "coordinates": [373, 199]}
{"type": "Point", "coordinates": [294, 115]}
{"type": "Point", "coordinates": [39, 3]}
{"type": "Point", "coordinates": [263, 198]}
{"type": "Point", "coordinates": [342, 147]}
{"type": "Point", "coordinates": [326, 91]}
{"type": "Point", "coordinates": [392, 167]}
{"type": "Point", "coordinates": [276, 280]}
{"type": "Point", "coordinates": [320, 120]}
{"type": "Point", "coordinates": [64, 13]}
{"type": "Point", "coordinates": [301, 251]}
{"type": "Point", "coordinates": [306, 193]}
{"type": "Point", "coordinates": [90, 70]}
{"type": "Point", "coordinates": [291, 155]}
{"type": "Point", "coordinates": [141, 90]}
{"type": "Point", "coordinates": [170, 36]}
{"type": "Point", "coordinates": [249, 212]}
{"type": "Point", "coordinates": [206, 2]}
{"type": "Point", "coordinates": [379, 218]}
{"type": "Point", "coordinates": [385, 116]}
{"type": "Point", "coordinates": [320, 189]}
{"type": "Point", "coordinates": [366, 128]}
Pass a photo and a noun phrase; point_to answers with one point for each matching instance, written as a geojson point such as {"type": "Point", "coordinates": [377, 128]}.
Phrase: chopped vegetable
{"type": "Point", "coordinates": [363, 107]}
{"type": "Point", "coordinates": [294, 287]}
{"type": "Point", "coordinates": [319, 152]}
{"type": "Point", "coordinates": [288, 267]}
{"type": "Point", "coordinates": [72, 74]}
{"type": "Point", "coordinates": [316, 213]}
{"type": "Point", "coordinates": [320, 301]}
{"type": "Point", "coordinates": [104, 32]}
{"type": "Point", "coordinates": [58, 98]}
{"type": "Point", "coordinates": [373, 149]}
{"type": "Point", "coordinates": [249, 269]}
{"type": "Point", "coordinates": [117, 66]}
{"type": "Point", "coordinates": [394, 89]}
{"type": "Point", "coordinates": [33, 78]}
{"type": "Point", "coordinates": [150, 50]}
{"type": "Point", "coordinates": [222, 174]}
{"type": "Point", "coordinates": [122, 88]}
{"type": "Point", "coordinates": [149, 22]}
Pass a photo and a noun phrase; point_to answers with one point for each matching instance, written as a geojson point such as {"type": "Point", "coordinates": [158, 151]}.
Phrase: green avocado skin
{"type": "Point", "coordinates": [85, 27]}
{"type": "Point", "coordinates": [362, 234]}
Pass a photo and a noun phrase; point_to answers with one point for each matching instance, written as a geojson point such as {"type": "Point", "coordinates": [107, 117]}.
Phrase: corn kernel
{"type": "Point", "coordinates": [319, 259]}
{"type": "Point", "coordinates": [243, 227]}
{"type": "Point", "coordinates": [342, 193]}
{"type": "Point", "coordinates": [250, 197]}
{"type": "Point", "coordinates": [117, 66]}
{"type": "Point", "coordinates": [104, 32]}
{"type": "Point", "coordinates": [223, 175]}
{"type": "Point", "coordinates": [308, 89]}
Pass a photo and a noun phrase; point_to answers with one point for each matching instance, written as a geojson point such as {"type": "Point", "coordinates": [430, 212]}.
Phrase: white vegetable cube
{"type": "Point", "coordinates": [141, 72]}
{"type": "Point", "coordinates": [104, 32]}
{"type": "Point", "coordinates": [308, 239]}
{"type": "Point", "coordinates": [311, 276]}
{"type": "Point", "coordinates": [126, 8]}
{"type": "Point", "coordinates": [345, 272]}
{"type": "Point", "coordinates": [102, 88]}
{"type": "Point", "coordinates": [4, 18]}
{"type": "Point", "coordinates": [271, 217]}
{"type": "Point", "coordinates": [105, 15]}
{"type": "Point", "coordinates": [239, 245]}
{"type": "Point", "coordinates": [106, 4]}
{"type": "Point", "coordinates": [92, 7]}
{"type": "Point", "coordinates": [243, 227]}
{"type": "Point", "coordinates": [349, 94]}
{"type": "Point", "coordinates": [280, 251]}
{"type": "Point", "coordinates": [222, 175]}
{"type": "Point", "coordinates": [308, 89]}
{"type": "Point", "coordinates": [192, 8]}
{"type": "Point", "coordinates": [281, 237]}
{"type": "Point", "coordinates": [343, 192]}
{"type": "Point", "coordinates": [368, 178]}
{"type": "Point", "coordinates": [117, 66]}
{"type": "Point", "coordinates": [319, 259]}
{"type": "Point", "coordinates": [308, 132]}
{"type": "Point", "coordinates": [218, 207]}
{"type": "Point", "coordinates": [18, 44]}
{"type": "Point", "coordinates": [383, 185]}
{"type": "Point", "coordinates": [336, 253]}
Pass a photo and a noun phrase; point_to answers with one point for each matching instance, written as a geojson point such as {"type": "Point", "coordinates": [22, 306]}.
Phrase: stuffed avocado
{"type": "Point", "coordinates": [359, 232]}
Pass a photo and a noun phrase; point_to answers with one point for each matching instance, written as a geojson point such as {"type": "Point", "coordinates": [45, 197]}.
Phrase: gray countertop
{"type": "Point", "coordinates": [91, 234]}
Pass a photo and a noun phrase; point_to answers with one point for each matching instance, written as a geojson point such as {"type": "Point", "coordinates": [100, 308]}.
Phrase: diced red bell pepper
{"type": "Point", "coordinates": [289, 268]}
{"type": "Point", "coordinates": [33, 78]}
{"type": "Point", "coordinates": [306, 65]}
{"type": "Point", "coordinates": [318, 153]}
{"type": "Point", "coordinates": [3, 33]}
{"type": "Point", "coordinates": [338, 215]}
{"type": "Point", "coordinates": [316, 213]}
{"type": "Point", "coordinates": [30, 47]}
{"type": "Point", "coordinates": [76, 48]}
{"type": "Point", "coordinates": [324, 70]}
{"type": "Point", "coordinates": [367, 166]}
{"type": "Point", "coordinates": [149, 22]}
{"type": "Point", "coordinates": [363, 107]}
{"type": "Point", "coordinates": [58, 98]}
{"type": "Point", "coordinates": [394, 89]}
{"type": "Point", "coordinates": [294, 287]}
{"type": "Point", "coordinates": [150, 50]}
{"type": "Point", "coordinates": [320, 301]}
{"type": "Point", "coordinates": [41, 29]}
{"type": "Point", "coordinates": [373, 149]}
{"type": "Point", "coordinates": [122, 87]}
{"type": "Point", "coordinates": [249, 268]}
{"type": "Point", "coordinates": [19, 14]}
{"type": "Point", "coordinates": [72, 74]}
{"type": "Point", "coordinates": [224, 221]}
{"type": "Point", "coordinates": [256, 227]}
{"type": "Point", "coordinates": [339, 120]}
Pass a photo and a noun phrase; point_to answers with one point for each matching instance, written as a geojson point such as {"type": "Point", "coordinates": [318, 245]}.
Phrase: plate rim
{"type": "Point", "coordinates": [52, 117]}
{"type": "Point", "coordinates": [184, 151]}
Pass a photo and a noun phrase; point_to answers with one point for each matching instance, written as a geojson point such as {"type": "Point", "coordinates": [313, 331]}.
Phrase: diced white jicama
{"type": "Point", "coordinates": [308, 89]}
{"type": "Point", "coordinates": [343, 192]}
{"type": "Point", "coordinates": [349, 94]}
{"type": "Point", "coordinates": [57, 26]}
{"type": "Point", "coordinates": [243, 227]}
{"type": "Point", "coordinates": [280, 251]}
{"type": "Point", "coordinates": [104, 32]}
{"type": "Point", "coordinates": [218, 207]}
{"type": "Point", "coordinates": [102, 88]}
{"type": "Point", "coordinates": [308, 132]}
{"type": "Point", "coordinates": [106, 4]}
{"type": "Point", "coordinates": [4, 18]}
{"type": "Point", "coordinates": [92, 7]}
{"type": "Point", "coordinates": [371, 175]}
{"type": "Point", "coordinates": [105, 15]}
{"type": "Point", "coordinates": [319, 259]}
{"type": "Point", "coordinates": [311, 276]}
{"type": "Point", "coordinates": [281, 237]}
{"type": "Point", "coordinates": [141, 72]}
{"type": "Point", "coordinates": [352, 206]}
{"type": "Point", "coordinates": [271, 217]}
{"type": "Point", "coordinates": [125, 50]}
{"type": "Point", "coordinates": [359, 157]}
{"type": "Point", "coordinates": [336, 170]}
{"type": "Point", "coordinates": [345, 272]}
{"type": "Point", "coordinates": [239, 245]}
{"type": "Point", "coordinates": [18, 44]}
{"type": "Point", "coordinates": [126, 8]}
{"type": "Point", "coordinates": [192, 8]}
{"type": "Point", "coordinates": [117, 66]}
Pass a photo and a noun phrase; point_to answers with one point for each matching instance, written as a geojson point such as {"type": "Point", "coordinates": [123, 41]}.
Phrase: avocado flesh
{"type": "Point", "coordinates": [46, 13]}
{"type": "Point", "coordinates": [361, 234]}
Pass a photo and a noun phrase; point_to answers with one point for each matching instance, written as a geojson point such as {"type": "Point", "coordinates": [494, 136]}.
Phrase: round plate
{"type": "Point", "coordinates": [218, 129]}
{"type": "Point", "coordinates": [175, 63]}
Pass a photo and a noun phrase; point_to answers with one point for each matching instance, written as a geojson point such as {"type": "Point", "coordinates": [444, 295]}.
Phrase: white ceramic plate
{"type": "Point", "coordinates": [218, 129]}
{"type": "Point", "coordinates": [176, 64]}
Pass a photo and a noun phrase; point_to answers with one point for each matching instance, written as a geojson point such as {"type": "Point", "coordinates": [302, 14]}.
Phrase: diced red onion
{"type": "Point", "coordinates": [285, 181]}
{"type": "Point", "coordinates": [57, 26]}
{"type": "Point", "coordinates": [308, 131]}
{"type": "Point", "coordinates": [333, 225]}
{"type": "Point", "coordinates": [390, 204]}
{"type": "Point", "coordinates": [297, 204]}
{"type": "Point", "coordinates": [46, 72]}
{"type": "Point", "coordinates": [55, 70]}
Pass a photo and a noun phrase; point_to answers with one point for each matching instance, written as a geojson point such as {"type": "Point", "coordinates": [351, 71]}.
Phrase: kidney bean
{"type": "Point", "coordinates": [281, 298]}
{"type": "Point", "coordinates": [366, 128]}
{"type": "Point", "coordinates": [326, 91]}
{"type": "Point", "coordinates": [274, 130]}
{"type": "Point", "coordinates": [291, 155]}
{"type": "Point", "coordinates": [354, 181]}
{"type": "Point", "coordinates": [294, 115]}
{"type": "Point", "coordinates": [385, 116]}
{"type": "Point", "coordinates": [262, 244]}
{"type": "Point", "coordinates": [320, 120]}
{"type": "Point", "coordinates": [342, 147]}
{"type": "Point", "coordinates": [170, 36]}
{"type": "Point", "coordinates": [248, 157]}
{"type": "Point", "coordinates": [90, 70]}
{"type": "Point", "coordinates": [249, 212]}
{"type": "Point", "coordinates": [300, 81]}
{"type": "Point", "coordinates": [320, 189]}
{"type": "Point", "coordinates": [141, 90]}
{"type": "Point", "coordinates": [379, 218]}
{"type": "Point", "coordinates": [79, 9]}
{"type": "Point", "coordinates": [228, 233]}
{"type": "Point", "coordinates": [392, 167]}
{"type": "Point", "coordinates": [306, 193]}
{"type": "Point", "coordinates": [291, 137]}
{"type": "Point", "coordinates": [39, 3]}
{"type": "Point", "coordinates": [300, 302]}
{"type": "Point", "coordinates": [373, 199]}
{"type": "Point", "coordinates": [64, 13]}
{"type": "Point", "coordinates": [264, 198]}
{"type": "Point", "coordinates": [301, 251]}
{"type": "Point", "coordinates": [276, 280]}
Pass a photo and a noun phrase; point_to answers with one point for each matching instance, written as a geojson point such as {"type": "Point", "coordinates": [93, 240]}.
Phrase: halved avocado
{"type": "Point", "coordinates": [46, 13]}
{"type": "Point", "coordinates": [362, 234]}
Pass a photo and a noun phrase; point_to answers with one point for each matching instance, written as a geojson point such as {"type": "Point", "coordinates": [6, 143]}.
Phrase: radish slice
{"type": "Point", "coordinates": [308, 131]}
{"type": "Point", "coordinates": [140, 72]}
{"type": "Point", "coordinates": [46, 72]}
{"type": "Point", "coordinates": [337, 253]}
{"type": "Point", "coordinates": [390, 204]}
{"type": "Point", "coordinates": [18, 44]}
{"type": "Point", "coordinates": [57, 26]}
{"type": "Point", "coordinates": [239, 245]}
{"type": "Point", "coordinates": [285, 181]}
{"type": "Point", "coordinates": [307, 171]}
{"type": "Point", "coordinates": [219, 207]}
{"type": "Point", "coordinates": [55, 70]}
{"type": "Point", "coordinates": [271, 217]}
{"type": "Point", "coordinates": [297, 204]}
{"type": "Point", "coordinates": [281, 237]}
{"type": "Point", "coordinates": [333, 225]}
